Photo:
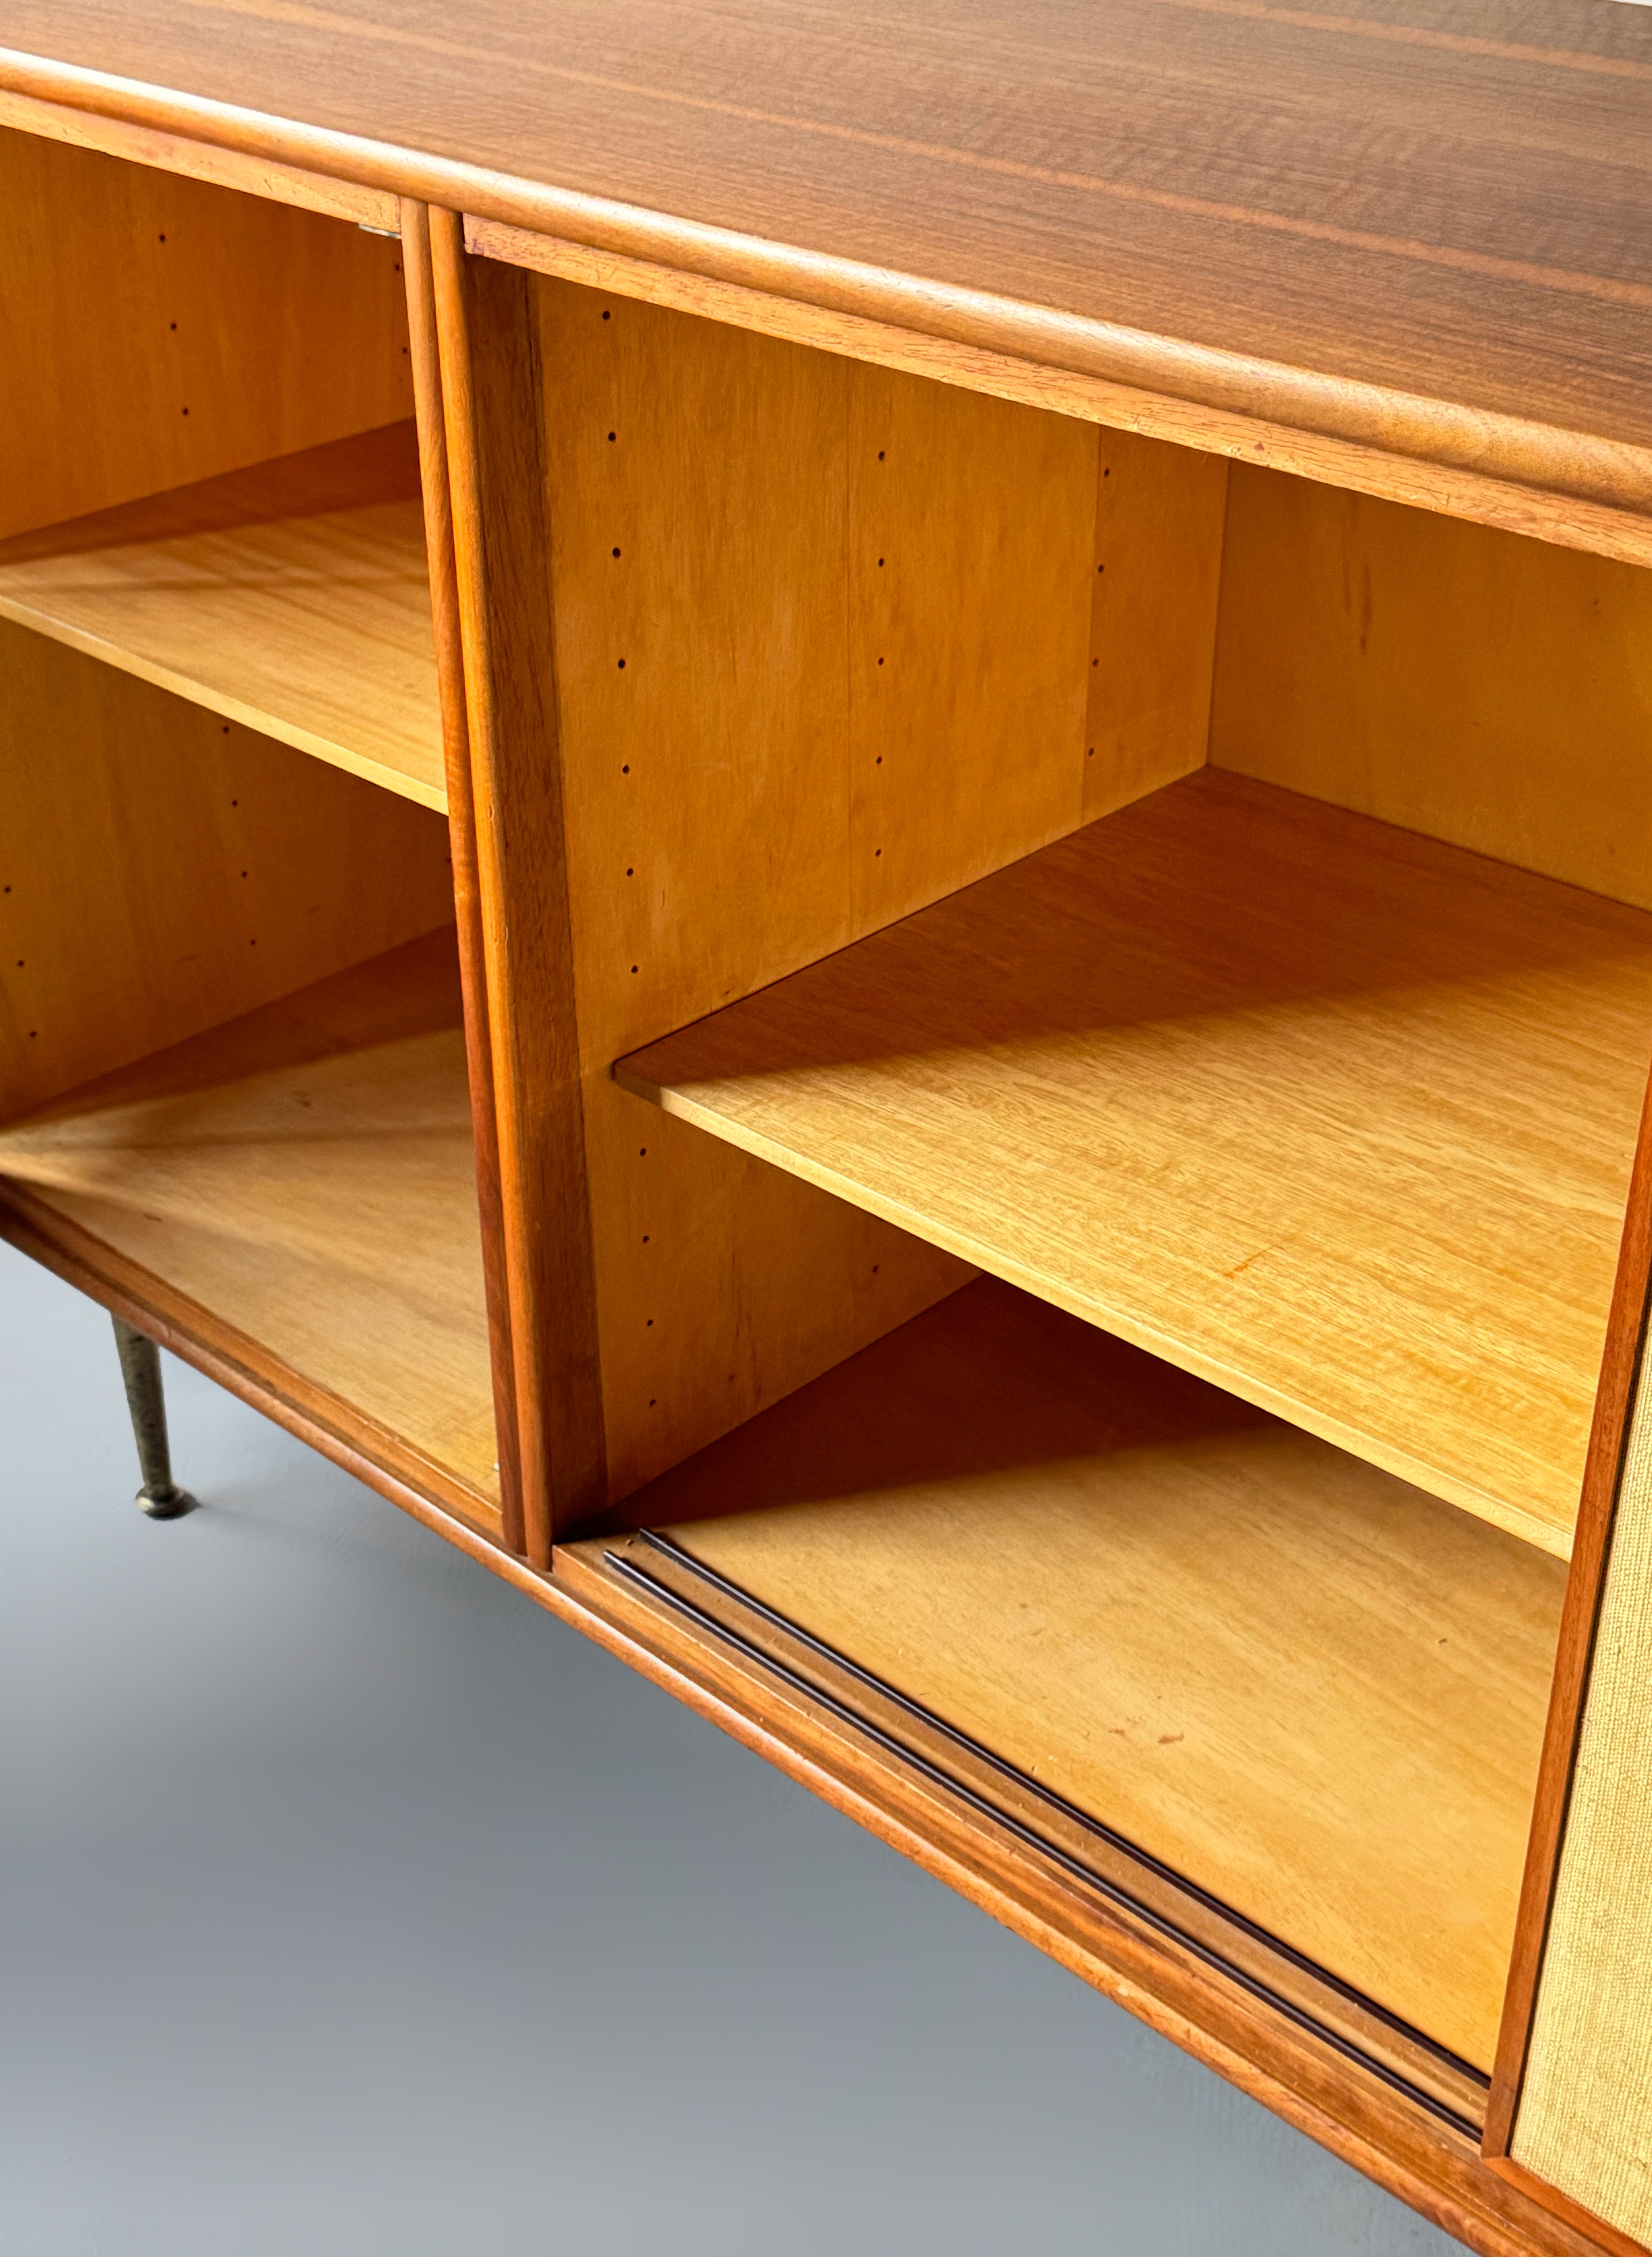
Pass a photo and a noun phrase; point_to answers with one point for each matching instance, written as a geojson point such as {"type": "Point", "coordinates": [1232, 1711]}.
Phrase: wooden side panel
{"type": "Point", "coordinates": [1483, 687]}
{"type": "Point", "coordinates": [194, 329]}
{"type": "Point", "coordinates": [162, 870]}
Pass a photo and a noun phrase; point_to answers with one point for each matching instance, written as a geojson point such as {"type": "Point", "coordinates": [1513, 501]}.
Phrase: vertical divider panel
{"type": "Point", "coordinates": [467, 900]}
{"type": "Point", "coordinates": [493, 404]}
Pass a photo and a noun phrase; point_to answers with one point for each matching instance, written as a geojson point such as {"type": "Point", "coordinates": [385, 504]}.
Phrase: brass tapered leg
{"type": "Point", "coordinates": [160, 1496]}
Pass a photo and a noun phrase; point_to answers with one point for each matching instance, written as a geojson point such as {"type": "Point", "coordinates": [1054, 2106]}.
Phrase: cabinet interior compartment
{"type": "Point", "coordinates": [1279, 1056]}
{"type": "Point", "coordinates": [232, 1073]}
{"type": "Point", "coordinates": [1317, 1068]}
{"type": "Point", "coordinates": [1307, 1690]}
{"type": "Point", "coordinates": [231, 510]}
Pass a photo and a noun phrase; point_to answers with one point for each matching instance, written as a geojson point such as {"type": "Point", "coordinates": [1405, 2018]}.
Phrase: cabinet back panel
{"type": "Point", "coordinates": [195, 330]}
{"type": "Point", "coordinates": [828, 647]}
{"type": "Point", "coordinates": [1486, 689]}
{"type": "Point", "coordinates": [163, 870]}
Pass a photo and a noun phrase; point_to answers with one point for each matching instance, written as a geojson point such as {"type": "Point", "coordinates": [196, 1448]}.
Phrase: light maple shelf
{"type": "Point", "coordinates": [298, 1185]}
{"type": "Point", "coordinates": [1337, 1116]}
{"type": "Point", "coordinates": [1299, 1683]}
{"type": "Point", "coordinates": [292, 597]}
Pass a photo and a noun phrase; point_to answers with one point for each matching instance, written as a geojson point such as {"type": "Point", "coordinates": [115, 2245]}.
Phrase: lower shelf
{"type": "Point", "coordinates": [1311, 1690]}
{"type": "Point", "coordinates": [297, 1189]}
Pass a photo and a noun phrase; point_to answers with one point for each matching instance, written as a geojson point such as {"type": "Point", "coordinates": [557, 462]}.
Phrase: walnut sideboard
{"type": "Point", "coordinates": [842, 823]}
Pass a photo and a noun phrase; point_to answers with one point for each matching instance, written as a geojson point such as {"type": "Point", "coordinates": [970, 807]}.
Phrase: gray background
{"type": "Point", "coordinates": [348, 1903]}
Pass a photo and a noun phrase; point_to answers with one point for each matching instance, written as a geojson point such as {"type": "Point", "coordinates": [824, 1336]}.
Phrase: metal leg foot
{"type": "Point", "coordinates": [160, 1496]}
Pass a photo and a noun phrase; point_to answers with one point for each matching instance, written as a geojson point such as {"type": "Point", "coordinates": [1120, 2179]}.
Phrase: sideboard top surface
{"type": "Point", "coordinates": [1444, 201]}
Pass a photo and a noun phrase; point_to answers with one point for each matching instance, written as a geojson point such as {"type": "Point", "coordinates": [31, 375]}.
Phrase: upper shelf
{"type": "Point", "coordinates": [1415, 227]}
{"type": "Point", "coordinates": [1334, 1115]}
{"type": "Point", "coordinates": [292, 597]}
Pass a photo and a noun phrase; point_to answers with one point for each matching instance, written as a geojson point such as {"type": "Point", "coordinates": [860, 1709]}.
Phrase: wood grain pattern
{"type": "Point", "coordinates": [197, 160]}
{"type": "Point", "coordinates": [163, 870]}
{"type": "Point", "coordinates": [1044, 1822]}
{"type": "Point", "coordinates": [971, 551]}
{"type": "Point", "coordinates": [115, 300]}
{"type": "Point", "coordinates": [293, 597]}
{"type": "Point", "coordinates": [228, 1358]}
{"type": "Point", "coordinates": [1337, 1117]}
{"type": "Point", "coordinates": [303, 1174]}
{"type": "Point", "coordinates": [1197, 2005]}
{"type": "Point", "coordinates": [1481, 688]}
{"type": "Point", "coordinates": [1303, 1686]}
{"type": "Point", "coordinates": [1405, 229]}
{"type": "Point", "coordinates": [1209, 2013]}
{"type": "Point", "coordinates": [413, 220]}
{"type": "Point", "coordinates": [696, 490]}
{"type": "Point", "coordinates": [1159, 514]}
{"type": "Point", "coordinates": [1030, 365]}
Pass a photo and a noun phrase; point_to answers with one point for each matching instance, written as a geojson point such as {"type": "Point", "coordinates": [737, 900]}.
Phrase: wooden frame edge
{"type": "Point", "coordinates": [1353, 2113]}
{"type": "Point", "coordinates": [419, 276]}
{"type": "Point", "coordinates": [493, 403]}
{"type": "Point", "coordinates": [202, 160]}
{"type": "Point", "coordinates": [1328, 459]}
{"type": "Point", "coordinates": [1598, 2233]}
{"type": "Point", "coordinates": [1589, 492]}
{"type": "Point", "coordinates": [1614, 1405]}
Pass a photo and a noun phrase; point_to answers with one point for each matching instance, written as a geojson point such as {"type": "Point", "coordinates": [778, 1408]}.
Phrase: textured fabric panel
{"type": "Point", "coordinates": [1585, 2111]}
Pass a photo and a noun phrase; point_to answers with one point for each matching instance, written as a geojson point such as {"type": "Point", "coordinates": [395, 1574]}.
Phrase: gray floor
{"type": "Point", "coordinates": [351, 1905]}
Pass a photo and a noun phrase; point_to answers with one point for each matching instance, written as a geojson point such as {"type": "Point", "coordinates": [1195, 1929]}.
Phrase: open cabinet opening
{"type": "Point", "coordinates": [1285, 1079]}
{"type": "Point", "coordinates": [1335, 1110]}
{"type": "Point", "coordinates": [234, 1077]}
{"type": "Point", "coordinates": [233, 1090]}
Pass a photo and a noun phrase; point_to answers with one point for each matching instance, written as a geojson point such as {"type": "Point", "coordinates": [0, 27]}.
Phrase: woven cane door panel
{"type": "Point", "coordinates": [1585, 2122]}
